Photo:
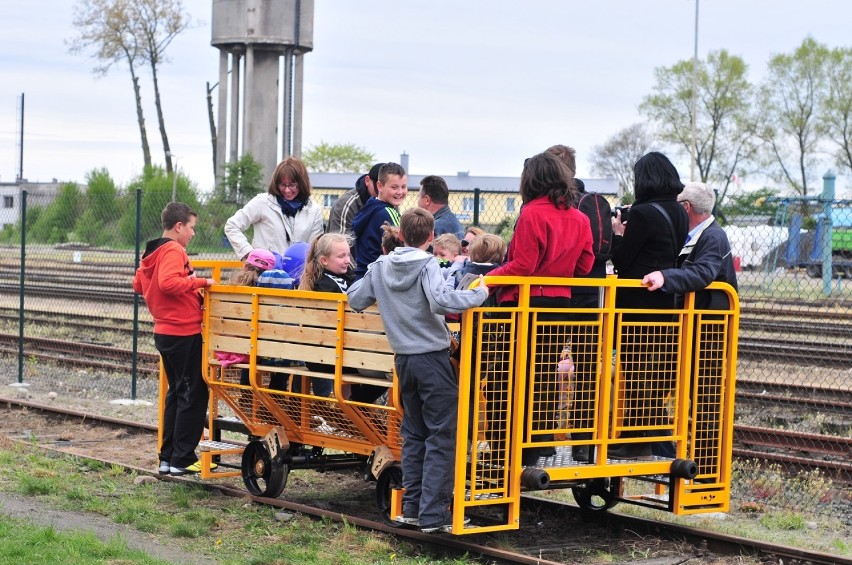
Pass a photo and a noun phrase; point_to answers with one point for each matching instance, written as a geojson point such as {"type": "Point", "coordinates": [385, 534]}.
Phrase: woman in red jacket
{"type": "Point", "coordinates": [551, 239]}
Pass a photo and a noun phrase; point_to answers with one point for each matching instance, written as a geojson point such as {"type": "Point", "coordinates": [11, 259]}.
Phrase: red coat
{"type": "Point", "coordinates": [548, 242]}
{"type": "Point", "coordinates": [167, 281]}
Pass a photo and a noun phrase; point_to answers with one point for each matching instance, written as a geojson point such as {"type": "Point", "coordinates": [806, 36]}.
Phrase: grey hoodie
{"type": "Point", "coordinates": [409, 288]}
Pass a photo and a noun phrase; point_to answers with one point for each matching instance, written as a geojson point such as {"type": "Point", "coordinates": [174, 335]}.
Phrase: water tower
{"type": "Point", "coordinates": [261, 45]}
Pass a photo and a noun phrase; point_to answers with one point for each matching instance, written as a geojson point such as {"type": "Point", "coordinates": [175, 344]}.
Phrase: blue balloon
{"type": "Point", "coordinates": [294, 260]}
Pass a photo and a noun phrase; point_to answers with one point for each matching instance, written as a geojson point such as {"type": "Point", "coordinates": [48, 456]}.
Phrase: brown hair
{"type": "Point", "coordinates": [246, 277]}
{"type": "Point", "coordinates": [174, 213]}
{"type": "Point", "coordinates": [475, 230]}
{"type": "Point", "coordinates": [320, 247]}
{"type": "Point", "coordinates": [416, 225]}
{"type": "Point", "coordinates": [546, 175]}
{"type": "Point", "coordinates": [487, 248]}
{"type": "Point", "coordinates": [294, 169]}
{"type": "Point", "coordinates": [565, 154]}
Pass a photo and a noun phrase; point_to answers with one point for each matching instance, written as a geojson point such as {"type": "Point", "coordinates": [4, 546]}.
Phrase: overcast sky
{"type": "Point", "coordinates": [460, 86]}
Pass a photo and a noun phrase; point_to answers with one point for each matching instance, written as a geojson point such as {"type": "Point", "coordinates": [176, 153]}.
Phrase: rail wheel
{"type": "Point", "coordinates": [262, 475]}
{"type": "Point", "coordinates": [596, 496]}
{"type": "Point", "coordinates": [389, 479]}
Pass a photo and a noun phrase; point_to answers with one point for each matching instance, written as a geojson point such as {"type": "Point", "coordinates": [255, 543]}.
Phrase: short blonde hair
{"type": "Point", "coordinates": [449, 242]}
{"type": "Point", "coordinates": [487, 248]}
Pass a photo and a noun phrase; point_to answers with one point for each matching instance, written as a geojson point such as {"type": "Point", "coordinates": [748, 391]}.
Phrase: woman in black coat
{"type": "Point", "coordinates": [650, 240]}
{"type": "Point", "coordinates": [647, 243]}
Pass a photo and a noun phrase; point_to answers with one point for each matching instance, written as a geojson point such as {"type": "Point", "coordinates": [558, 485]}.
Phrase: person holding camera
{"type": "Point", "coordinates": [650, 241]}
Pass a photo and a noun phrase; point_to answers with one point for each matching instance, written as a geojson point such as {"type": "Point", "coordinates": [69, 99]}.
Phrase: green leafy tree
{"type": "Point", "coordinates": [791, 100]}
{"type": "Point", "coordinates": [156, 186]}
{"type": "Point", "coordinates": [98, 222]}
{"type": "Point", "coordinates": [746, 204]}
{"type": "Point", "coordinates": [617, 156]}
{"type": "Point", "coordinates": [340, 158]}
{"type": "Point", "coordinates": [837, 117]}
{"type": "Point", "coordinates": [723, 140]}
{"type": "Point", "coordinates": [243, 180]}
{"type": "Point", "coordinates": [56, 223]}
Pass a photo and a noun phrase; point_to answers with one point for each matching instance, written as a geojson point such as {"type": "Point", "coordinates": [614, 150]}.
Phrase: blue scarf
{"type": "Point", "coordinates": [289, 207]}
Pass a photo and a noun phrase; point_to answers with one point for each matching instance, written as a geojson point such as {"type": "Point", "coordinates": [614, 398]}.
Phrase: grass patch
{"type": "Point", "coordinates": [225, 529]}
{"type": "Point", "coordinates": [26, 543]}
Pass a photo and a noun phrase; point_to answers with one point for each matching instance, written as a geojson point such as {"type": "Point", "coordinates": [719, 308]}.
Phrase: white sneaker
{"type": "Point", "coordinates": [407, 521]}
{"type": "Point", "coordinates": [447, 528]}
{"type": "Point", "coordinates": [165, 468]}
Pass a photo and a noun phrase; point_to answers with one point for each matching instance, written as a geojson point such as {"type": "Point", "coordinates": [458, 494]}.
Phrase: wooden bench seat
{"type": "Point", "coordinates": [351, 378]}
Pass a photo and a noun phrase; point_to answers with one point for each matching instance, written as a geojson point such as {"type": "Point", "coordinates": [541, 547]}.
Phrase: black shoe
{"type": "Point", "coordinates": [630, 451]}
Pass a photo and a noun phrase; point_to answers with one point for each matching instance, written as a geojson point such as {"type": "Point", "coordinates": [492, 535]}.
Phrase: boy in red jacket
{"type": "Point", "coordinates": [170, 287]}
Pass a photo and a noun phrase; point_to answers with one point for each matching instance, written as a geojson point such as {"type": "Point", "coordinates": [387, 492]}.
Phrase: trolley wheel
{"type": "Point", "coordinates": [595, 496]}
{"type": "Point", "coordinates": [389, 479]}
{"type": "Point", "coordinates": [262, 475]}
{"type": "Point", "coordinates": [684, 469]}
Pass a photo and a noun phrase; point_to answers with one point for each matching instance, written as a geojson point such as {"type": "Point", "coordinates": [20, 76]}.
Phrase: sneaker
{"type": "Point", "coordinates": [407, 521]}
{"type": "Point", "coordinates": [443, 528]}
{"type": "Point", "coordinates": [165, 469]}
{"type": "Point", "coordinates": [190, 469]}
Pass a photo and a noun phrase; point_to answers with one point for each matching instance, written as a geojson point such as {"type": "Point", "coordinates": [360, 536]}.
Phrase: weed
{"type": "Point", "coordinates": [783, 521]}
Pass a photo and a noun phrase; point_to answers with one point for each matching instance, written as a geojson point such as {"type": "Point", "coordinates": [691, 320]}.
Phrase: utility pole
{"type": "Point", "coordinates": [693, 150]}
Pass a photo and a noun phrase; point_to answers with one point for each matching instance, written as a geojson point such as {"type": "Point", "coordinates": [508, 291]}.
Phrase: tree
{"type": "Point", "coordinates": [155, 23]}
{"type": "Point", "coordinates": [55, 224]}
{"type": "Point", "coordinates": [723, 127]}
{"type": "Point", "coordinates": [104, 26]}
{"type": "Point", "coordinates": [101, 211]}
{"type": "Point", "coordinates": [617, 156]}
{"type": "Point", "coordinates": [837, 114]}
{"type": "Point", "coordinates": [345, 158]}
{"type": "Point", "coordinates": [791, 101]}
{"type": "Point", "coordinates": [243, 180]}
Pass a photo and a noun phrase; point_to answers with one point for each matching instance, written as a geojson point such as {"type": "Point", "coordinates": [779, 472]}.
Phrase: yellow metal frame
{"type": "Point", "coordinates": [509, 389]}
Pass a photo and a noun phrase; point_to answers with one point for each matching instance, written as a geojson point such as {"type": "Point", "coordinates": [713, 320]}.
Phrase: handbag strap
{"type": "Point", "coordinates": [668, 219]}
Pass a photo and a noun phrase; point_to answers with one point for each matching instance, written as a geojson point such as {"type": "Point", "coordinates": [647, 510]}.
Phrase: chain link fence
{"type": "Point", "coordinates": [73, 332]}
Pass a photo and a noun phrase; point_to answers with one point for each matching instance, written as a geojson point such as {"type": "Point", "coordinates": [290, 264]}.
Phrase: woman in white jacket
{"type": "Point", "coordinates": [284, 215]}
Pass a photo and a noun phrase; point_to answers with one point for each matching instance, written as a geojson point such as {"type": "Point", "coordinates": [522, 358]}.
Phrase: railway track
{"type": "Point", "coordinates": [523, 547]}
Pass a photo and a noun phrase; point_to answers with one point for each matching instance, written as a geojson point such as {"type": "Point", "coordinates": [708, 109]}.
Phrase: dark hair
{"type": "Point", "coordinates": [390, 238]}
{"type": "Point", "coordinates": [435, 188]}
{"type": "Point", "coordinates": [175, 212]}
{"type": "Point", "coordinates": [565, 154]}
{"type": "Point", "coordinates": [654, 175]}
{"type": "Point", "coordinates": [390, 169]}
{"type": "Point", "coordinates": [294, 169]}
{"type": "Point", "coordinates": [546, 175]}
{"type": "Point", "coordinates": [415, 226]}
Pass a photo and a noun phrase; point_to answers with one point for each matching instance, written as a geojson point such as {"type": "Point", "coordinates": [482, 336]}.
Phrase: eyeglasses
{"type": "Point", "coordinates": [291, 185]}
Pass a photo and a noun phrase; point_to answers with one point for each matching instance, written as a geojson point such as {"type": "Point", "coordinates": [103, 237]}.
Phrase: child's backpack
{"type": "Point", "coordinates": [597, 208]}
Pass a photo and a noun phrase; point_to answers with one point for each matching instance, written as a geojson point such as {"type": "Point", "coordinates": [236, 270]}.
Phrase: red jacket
{"type": "Point", "coordinates": [548, 242]}
{"type": "Point", "coordinates": [170, 287]}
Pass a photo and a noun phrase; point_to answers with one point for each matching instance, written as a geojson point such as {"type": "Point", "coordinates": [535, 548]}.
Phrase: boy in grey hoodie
{"type": "Point", "coordinates": [409, 288]}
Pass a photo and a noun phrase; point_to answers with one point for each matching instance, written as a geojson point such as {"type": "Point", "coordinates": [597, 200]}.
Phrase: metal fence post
{"type": "Point", "coordinates": [827, 199]}
{"type": "Point", "coordinates": [135, 345]}
{"type": "Point", "coordinates": [476, 193]}
{"type": "Point", "coordinates": [21, 303]}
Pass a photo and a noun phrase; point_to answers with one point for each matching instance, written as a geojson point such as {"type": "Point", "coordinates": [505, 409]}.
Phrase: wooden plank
{"type": "Point", "coordinates": [294, 315]}
{"type": "Point", "coordinates": [366, 320]}
{"type": "Point", "coordinates": [361, 379]}
{"type": "Point", "coordinates": [298, 334]}
{"type": "Point", "coordinates": [228, 343]}
{"type": "Point", "coordinates": [366, 341]}
{"type": "Point", "coordinates": [220, 309]}
{"type": "Point", "coordinates": [240, 328]}
{"type": "Point", "coordinates": [302, 302]}
{"type": "Point", "coordinates": [367, 360]}
{"type": "Point", "coordinates": [296, 352]}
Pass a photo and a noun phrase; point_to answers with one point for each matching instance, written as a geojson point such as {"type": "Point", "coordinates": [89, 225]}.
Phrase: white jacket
{"type": "Point", "coordinates": [272, 230]}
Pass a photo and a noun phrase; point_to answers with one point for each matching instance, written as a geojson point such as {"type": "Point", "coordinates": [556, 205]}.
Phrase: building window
{"type": "Point", "coordinates": [510, 205]}
{"type": "Point", "coordinates": [8, 201]}
{"type": "Point", "coordinates": [328, 200]}
{"type": "Point", "coordinates": [467, 204]}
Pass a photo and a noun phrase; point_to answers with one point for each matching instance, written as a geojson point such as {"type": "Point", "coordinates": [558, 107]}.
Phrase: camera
{"type": "Point", "coordinates": [625, 210]}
